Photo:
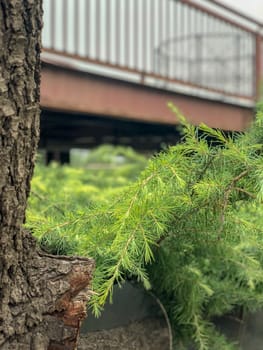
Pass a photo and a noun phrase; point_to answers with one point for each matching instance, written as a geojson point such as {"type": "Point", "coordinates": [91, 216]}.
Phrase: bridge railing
{"type": "Point", "coordinates": [167, 43]}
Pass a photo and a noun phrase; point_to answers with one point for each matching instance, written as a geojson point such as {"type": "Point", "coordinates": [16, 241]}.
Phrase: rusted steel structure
{"type": "Point", "coordinates": [135, 55]}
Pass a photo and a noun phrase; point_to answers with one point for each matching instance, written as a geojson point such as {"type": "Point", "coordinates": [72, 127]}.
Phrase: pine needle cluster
{"type": "Point", "coordinates": [190, 228]}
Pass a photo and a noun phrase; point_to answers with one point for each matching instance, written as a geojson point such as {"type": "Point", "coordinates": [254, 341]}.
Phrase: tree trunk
{"type": "Point", "coordinates": [42, 297]}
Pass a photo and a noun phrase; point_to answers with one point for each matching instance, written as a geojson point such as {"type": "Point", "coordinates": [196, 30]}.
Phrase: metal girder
{"type": "Point", "coordinates": [69, 90]}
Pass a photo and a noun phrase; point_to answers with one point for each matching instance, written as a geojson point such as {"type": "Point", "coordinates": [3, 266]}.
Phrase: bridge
{"type": "Point", "coordinates": [111, 66]}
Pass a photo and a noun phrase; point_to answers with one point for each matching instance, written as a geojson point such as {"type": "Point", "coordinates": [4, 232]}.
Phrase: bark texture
{"type": "Point", "coordinates": [42, 297]}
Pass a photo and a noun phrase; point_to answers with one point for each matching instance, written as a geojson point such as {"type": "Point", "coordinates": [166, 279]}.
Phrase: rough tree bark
{"type": "Point", "coordinates": [42, 297]}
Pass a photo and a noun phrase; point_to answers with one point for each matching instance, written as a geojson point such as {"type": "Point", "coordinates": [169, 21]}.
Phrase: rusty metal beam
{"type": "Point", "coordinates": [142, 74]}
{"type": "Point", "coordinates": [72, 91]}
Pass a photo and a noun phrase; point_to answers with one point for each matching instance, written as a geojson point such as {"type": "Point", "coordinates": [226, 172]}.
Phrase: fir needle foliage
{"type": "Point", "coordinates": [190, 228]}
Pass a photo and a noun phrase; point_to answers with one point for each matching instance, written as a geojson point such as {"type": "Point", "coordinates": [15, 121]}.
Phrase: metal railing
{"type": "Point", "coordinates": [174, 42]}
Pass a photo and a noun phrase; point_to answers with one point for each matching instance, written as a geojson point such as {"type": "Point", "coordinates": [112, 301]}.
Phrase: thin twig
{"type": "Point", "coordinates": [252, 195]}
{"type": "Point", "coordinates": [229, 188]}
{"type": "Point", "coordinates": [202, 173]}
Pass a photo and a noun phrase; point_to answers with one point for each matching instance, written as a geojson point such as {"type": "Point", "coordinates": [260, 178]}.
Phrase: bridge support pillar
{"type": "Point", "coordinates": [61, 157]}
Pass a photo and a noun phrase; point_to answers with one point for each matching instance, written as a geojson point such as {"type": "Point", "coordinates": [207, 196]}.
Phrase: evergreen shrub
{"type": "Point", "coordinates": [190, 227]}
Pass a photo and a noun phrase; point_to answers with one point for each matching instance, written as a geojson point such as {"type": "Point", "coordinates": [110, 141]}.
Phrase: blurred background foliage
{"type": "Point", "coordinates": [62, 193]}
